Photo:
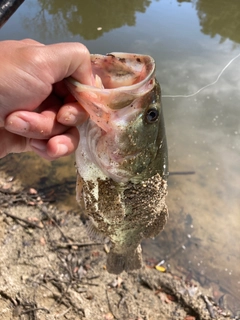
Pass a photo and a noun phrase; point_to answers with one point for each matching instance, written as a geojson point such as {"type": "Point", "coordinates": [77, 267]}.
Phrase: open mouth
{"type": "Point", "coordinates": [120, 79]}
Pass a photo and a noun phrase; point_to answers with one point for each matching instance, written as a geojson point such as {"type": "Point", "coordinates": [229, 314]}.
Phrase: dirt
{"type": "Point", "coordinates": [50, 269]}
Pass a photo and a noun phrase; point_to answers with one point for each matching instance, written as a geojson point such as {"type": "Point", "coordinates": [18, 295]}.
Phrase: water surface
{"type": "Point", "coordinates": [191, 41]}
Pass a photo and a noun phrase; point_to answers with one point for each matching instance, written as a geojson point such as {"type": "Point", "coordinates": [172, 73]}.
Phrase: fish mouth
{"type": "Point", "coordinates": [126, 70]}
{"type": "Point", "coordinates": [120, 80]}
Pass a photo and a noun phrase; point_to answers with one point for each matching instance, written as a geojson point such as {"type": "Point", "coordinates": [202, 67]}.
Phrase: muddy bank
{"type": "Point", "coordinates": [50, 269]}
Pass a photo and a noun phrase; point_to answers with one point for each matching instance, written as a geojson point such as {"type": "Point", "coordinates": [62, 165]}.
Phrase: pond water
{"type": "Point", "coordinates": [191, 42]}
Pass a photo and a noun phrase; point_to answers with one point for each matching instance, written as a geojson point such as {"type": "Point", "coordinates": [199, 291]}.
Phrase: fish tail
{"type": "Point", "coordinates": [124, 261]}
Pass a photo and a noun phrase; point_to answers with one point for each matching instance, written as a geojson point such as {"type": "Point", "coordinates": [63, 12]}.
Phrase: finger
{"type": "Point", "coordinates": [36, 69]}
{"type": "Point", "coordinates": [72, 114]}
{"type": "Point", "coordinates": [35, 125]}
{"type": "Point", "coordinates": [58, 146]}
{"type": "Point", "coordinates": [12, 143]}
{"type": "Point", "coordinates": [63, 145]}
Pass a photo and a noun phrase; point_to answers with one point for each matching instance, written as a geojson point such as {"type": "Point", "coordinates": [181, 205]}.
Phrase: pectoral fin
{"type": "Point", "coordinates": [79, 192]}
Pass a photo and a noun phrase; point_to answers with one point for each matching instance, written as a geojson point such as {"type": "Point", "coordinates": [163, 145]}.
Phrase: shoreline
{"type": "Point", "coordinates": [50, 269]}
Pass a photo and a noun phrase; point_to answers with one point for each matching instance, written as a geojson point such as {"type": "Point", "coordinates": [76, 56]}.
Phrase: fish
{"type": "Point", "coordinates": [122, 156]}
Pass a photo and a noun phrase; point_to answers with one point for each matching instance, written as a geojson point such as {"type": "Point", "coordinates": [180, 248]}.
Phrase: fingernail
{"type": "Point", "coordinates": [62, 149]}
{"type": "Point", "coordinates": [68, 118]}
{"type": "Point", "coordinates": [16, 124]}
{"type": "Point", "coordinates": [38, 144]}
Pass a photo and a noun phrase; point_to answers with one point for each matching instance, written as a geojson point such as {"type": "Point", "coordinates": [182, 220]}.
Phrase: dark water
{"type": "Point", "coordinates": [191, 41]}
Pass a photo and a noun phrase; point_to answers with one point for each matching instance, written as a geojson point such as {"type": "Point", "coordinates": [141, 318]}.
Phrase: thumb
{"type": "Point", "coordinates": [67, 59]}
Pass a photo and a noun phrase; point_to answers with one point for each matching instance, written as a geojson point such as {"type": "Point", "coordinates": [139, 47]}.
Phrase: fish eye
{"type": "Point", "coordinates": [152, 115]}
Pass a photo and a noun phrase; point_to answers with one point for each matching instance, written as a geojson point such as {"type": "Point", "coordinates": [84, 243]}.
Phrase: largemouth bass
{"type": "Point", "coordinates": [121, 159]}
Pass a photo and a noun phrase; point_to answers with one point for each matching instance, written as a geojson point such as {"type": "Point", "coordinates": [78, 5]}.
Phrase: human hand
{"type": "Point", "coordinates": [32, 92]}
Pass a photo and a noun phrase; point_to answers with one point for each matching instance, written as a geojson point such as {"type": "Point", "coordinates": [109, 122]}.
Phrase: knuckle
{"type": "Point", "coordinates": [82, 51]}
{"type": "Point", "coordinates": [34, 62]}
{"type": "Point", "coordinates": [82, 48]}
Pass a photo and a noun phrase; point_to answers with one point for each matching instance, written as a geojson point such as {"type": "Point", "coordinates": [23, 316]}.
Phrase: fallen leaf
{"type": "Point", "coordinates": [42, 241]}
{"type": "Point", "coordinates": [164, 297]}
{"type": "Point", "coordinates": [75, 269]}
{"type": "Point", "coordinates": [170, 297]}
{"type": "Point", "coordinates": [160, 268]}
{"type": "Point", "coordinates": [95, 253]}
{"type": "Point", "coordinates": [33, 219]}
{"type": "Point", "coordinates": [119, 281]}
{"type": "Point", "coordinates": [7, 186]}
{"type": "Point", "coordinates": [32, 191]}
{"type": "Point", "coordinates": [31, 203]}
{"type": "Point", "coordinates": [40, 224]}
{"type": "Point", "coordinates": [109, 316]}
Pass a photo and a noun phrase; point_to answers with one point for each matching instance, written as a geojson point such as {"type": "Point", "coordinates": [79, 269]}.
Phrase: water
{"type": "Point", "coordinates": [191, 41]}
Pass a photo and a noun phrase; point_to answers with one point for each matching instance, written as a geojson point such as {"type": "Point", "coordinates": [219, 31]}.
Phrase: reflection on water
{"type": "Point", "coordinates": [218, 18]}
{"type": "Point", "coordinates": [90, 19]}
{"type": "Point", "coordinates": [186, 39]}
{"type": "Point", "coordinates": [55, 180]}
{"type": "Point", "coordinates": [225, 21]}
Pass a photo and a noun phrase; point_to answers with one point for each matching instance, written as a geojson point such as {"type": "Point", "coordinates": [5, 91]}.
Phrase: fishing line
{"type": "Point", "coordinates": [208, 85]}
